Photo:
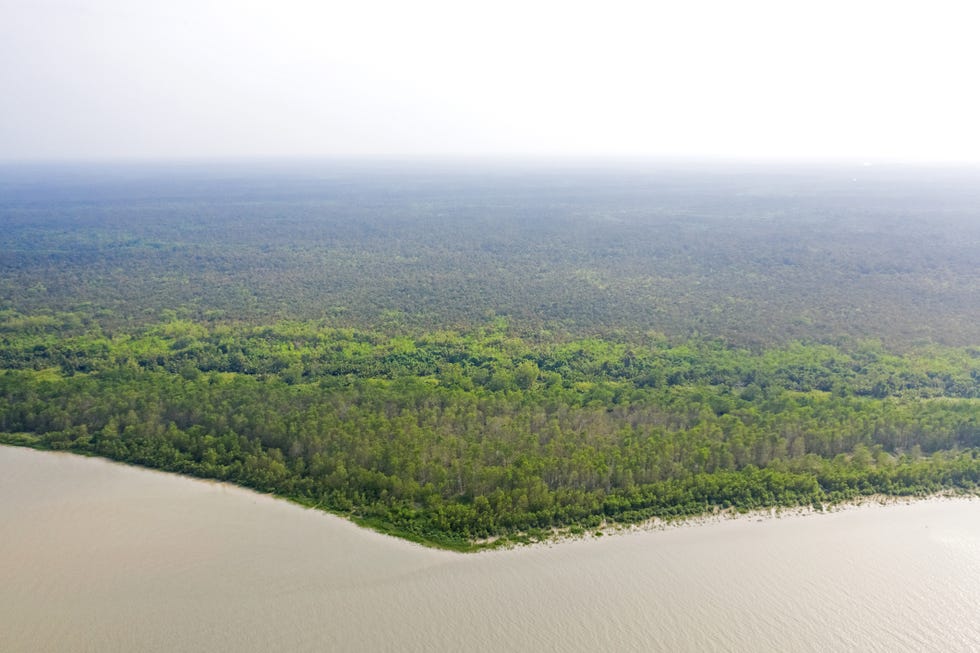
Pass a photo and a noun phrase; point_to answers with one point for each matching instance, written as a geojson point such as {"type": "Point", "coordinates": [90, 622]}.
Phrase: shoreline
{"type": "Point", "coordinates": [556, 536]}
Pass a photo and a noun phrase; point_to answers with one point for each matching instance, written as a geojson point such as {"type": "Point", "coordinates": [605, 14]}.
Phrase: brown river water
{"type": "Point", "coordinates": [97, 556]}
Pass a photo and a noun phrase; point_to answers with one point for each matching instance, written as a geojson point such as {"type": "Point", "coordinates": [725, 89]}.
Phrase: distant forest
{"type": "Point", "coordinates": [462, 353]}
{"type": "Point", "coordinates": [752, 255]}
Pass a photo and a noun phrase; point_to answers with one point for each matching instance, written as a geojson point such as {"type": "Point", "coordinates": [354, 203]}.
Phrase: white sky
{"type": "Point", "coordinates": [739, 78]}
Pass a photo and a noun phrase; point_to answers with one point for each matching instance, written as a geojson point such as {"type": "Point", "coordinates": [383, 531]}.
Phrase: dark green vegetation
{"type": "Point", "coordinates": [452, 357]}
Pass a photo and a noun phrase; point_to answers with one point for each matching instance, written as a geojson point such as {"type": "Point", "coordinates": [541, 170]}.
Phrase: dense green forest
{"type": "Point", "coordinates": [458, 357]}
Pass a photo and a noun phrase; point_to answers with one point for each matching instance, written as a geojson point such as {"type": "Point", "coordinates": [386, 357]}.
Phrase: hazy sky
{"type": "Point", "coordinates": [217, 78]}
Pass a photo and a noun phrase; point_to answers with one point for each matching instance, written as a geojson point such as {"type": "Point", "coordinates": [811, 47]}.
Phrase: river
{"type": "Point", "coordinates": [97, 556]}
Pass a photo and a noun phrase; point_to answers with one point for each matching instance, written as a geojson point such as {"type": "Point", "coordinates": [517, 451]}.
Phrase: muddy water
{"type": "Point", "coordinates": [96, 556]}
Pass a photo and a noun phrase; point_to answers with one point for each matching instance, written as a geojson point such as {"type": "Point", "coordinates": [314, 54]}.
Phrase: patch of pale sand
{"type": "Point", "coordinates": [607, 529]}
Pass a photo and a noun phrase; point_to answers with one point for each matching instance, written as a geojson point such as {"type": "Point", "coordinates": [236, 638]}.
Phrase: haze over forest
{"type": "Point", "coordinates": [123, 79]}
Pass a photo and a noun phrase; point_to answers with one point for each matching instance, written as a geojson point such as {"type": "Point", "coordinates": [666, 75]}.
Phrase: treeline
{"type": "Point", "coordinates": [453, 436]}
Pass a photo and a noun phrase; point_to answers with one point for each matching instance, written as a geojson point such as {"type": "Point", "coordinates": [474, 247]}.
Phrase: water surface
{"type": "Point", "coordinates": [96, 556]}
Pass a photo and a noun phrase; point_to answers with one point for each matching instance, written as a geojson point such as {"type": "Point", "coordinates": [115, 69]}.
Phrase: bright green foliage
{"type": "Point", "coordinates": [447, 437]}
